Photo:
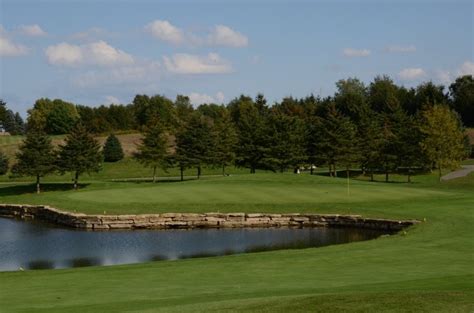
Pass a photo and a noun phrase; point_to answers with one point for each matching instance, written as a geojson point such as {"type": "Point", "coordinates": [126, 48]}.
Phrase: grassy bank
{"type": "Point", "coordinates": [428, 269]}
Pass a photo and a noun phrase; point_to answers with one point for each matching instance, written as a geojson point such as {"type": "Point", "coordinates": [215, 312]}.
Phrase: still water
{"type": "Point", "coordinates": [32, 245]}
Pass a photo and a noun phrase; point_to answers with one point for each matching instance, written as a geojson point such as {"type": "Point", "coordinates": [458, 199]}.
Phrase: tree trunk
{"type": "Point", "coordinates": [409, 176]}
{"type": "Point", "coordinates": [223, 169]}
{"type": "Point", "coordinates": [199, 172]}
{"type": "Point", "coordinates": [371, 175]}
{"type": "Point", "coordinates": [252, 170]}
{"type": "Point", "coordinates": [76, 178]}
{"type": "Point", "coordinates": [181, 169]}
{"type": "Point", "coordinates": [439, 172]}
{"type": "Point", "coordinates": [311, 170]}
{"type": "Point", "coordinates": [386, 176]}
{"type": "Point", "coordinates": [154, 174]}
{"type": "Point", "coordinates": [335, 171]}
{"type": "Point", "coordinates": [38, 189]}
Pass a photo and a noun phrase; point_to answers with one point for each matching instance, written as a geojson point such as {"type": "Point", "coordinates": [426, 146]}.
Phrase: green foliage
{"type": "Point", "coordinates": [443, 137]}
{"type": "Point", "coordinates": [351, 98]}
{"type": "Point", "coordinates": [224, 141]}
{"type": "Point", "coordinates": [35, 157]}
{"type": "Point", "coordinates": [154, 149]}
{"type": "Point", "coordinates": [80, 153]}
{"type": "Point", "coordinates": [194, 143]}
{"type": "Point", "coordinates": [10, 121]}
{"type": "Point", "coordinates": [4, 164]}
{"type": "Point", "coordinates": [54, 117]}
{"type": "Point", "coordinates": [112, 150]}
{"type": "Point", "coordinates": [250, 119]}
{"type": "Point", "coordinates": [287, 136]}
{"type": "Point", "coordinates": [337, 142]}
{"type": "Point", "coordinates": [462, 94]}
{"type": "Point", "coordinates": [148, 109]}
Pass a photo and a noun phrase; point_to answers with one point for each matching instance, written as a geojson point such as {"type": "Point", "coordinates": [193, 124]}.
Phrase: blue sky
{"type": "Point", "coordinates": [98, 52]}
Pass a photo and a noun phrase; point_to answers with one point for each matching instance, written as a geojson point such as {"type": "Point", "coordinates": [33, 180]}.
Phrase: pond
{"type": "Point", "coordinates": [33, 245]}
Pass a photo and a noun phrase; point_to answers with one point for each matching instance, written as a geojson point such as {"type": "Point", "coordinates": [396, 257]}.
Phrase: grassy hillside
{"type": "Point", "coordinates": [9, 144]}
{"type": "Point", "coordinates": [427, 269]}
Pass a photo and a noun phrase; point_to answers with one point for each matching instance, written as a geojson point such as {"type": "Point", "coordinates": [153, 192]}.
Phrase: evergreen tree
{"type": "Point", "coordinates": [194, 144]}
{"type": "Point", "coordinates": [35, 157]}
{"type": "Point", "coordinates": [371, 142]}
{"type": "Point", "coordinates": [112, 151]}
{"type": "Point", "coordinates": [462, 95]}
{"type": "Point", "coordinates": [3, 163]}
{"type": "Point", "coordinates": [287, 136]}
{"type": "Point", "coordinates": [443, 137]}
{"type": "Point", "coordinates": [251, 120]}
{"type": "Point", "coordinates": [337, 142]}
{"type": "Point", "coordinates": [225, 140]}
{"type": "Point", "coordinates": [80, 153]}
{"type": "Point", "coordinates": [153, 150]}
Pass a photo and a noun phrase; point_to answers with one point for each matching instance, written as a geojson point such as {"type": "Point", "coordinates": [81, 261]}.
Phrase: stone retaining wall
{"type": "Point", "coordinates": [195, 220]}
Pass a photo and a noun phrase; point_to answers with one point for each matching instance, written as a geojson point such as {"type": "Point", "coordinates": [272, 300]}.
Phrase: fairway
{"type": "Point", "coordinates": [237, 193]}
{"type": "Point", "coordinates": [428, 268]}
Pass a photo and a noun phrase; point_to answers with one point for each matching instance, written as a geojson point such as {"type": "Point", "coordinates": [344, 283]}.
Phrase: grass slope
{"type": "Point", "coordinates": [428, 269]}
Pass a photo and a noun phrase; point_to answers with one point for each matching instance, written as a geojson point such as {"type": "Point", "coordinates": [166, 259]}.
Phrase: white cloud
{"type": "Point", "coordinates": [64, 54]}
{"type": "Point", "coordinates": [90, 34]}
{"type": "Point", "coordinates": [96, 53]}
{"type": "Point", "coordinates": [350, 52]}
{"type": "Point", "coordinates": [401, 49]}
{"type": "Point", "coordinates": [117, 76]}
{"type": "Point", "coordinates": [9, 48]}
{"type": "Point", "coordinates": [32, 30]}
{"type": "Point", "coordinates": [444, 77]}
{"type": "Point", "coordinates": [182, 63]}
{"type": "Point", "coordinates": [222, 35]}
{"type": "Point", "coordinates": [164, 30]}
{"type": "Point", "coordinates": [111, 100]}
{"type": "Point", "coordinates": [411, 74]}
{"type": "Point", "coordinates": [199, 98]}
{"type": "Point", "coordinates": [467, 68]}
{"type": "Point", "coordinates": [220, 97]}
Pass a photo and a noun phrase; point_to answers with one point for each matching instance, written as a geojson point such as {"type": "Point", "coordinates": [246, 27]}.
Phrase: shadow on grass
{"type": "Point", "coordinates": [150, 181]}
{"type": "Point", "coordinates": [31, 188]}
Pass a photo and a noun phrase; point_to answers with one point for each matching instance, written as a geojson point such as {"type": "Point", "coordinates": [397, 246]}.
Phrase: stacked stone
{"type": "Point", "coordinates": [196, 220]}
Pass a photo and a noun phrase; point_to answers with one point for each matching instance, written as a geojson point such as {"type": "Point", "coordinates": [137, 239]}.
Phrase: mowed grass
{"type": "Point", "coordinates": [236, 193]}
{"type": "Point", "coordinates": [429, 268]}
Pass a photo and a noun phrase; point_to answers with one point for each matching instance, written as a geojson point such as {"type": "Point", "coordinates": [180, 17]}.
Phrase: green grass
{"type": "Point", "coordinates": [428, 269]}
{"type": "Point", "coordinates": [468, 162]}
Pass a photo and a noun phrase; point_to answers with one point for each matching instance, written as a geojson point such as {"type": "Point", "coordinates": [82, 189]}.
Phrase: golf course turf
{"type": "Point", "coordinates": [427, 268]}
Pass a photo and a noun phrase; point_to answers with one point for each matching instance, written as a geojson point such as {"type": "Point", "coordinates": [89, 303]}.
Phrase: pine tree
{"type": "Point", "coordinates": [153, 150]}
{"type": "Point", "coordinates": [252, 129]}
{"type": "Point", "coordinates": [443, 137]}
{"type": "Point", "coordinates": [225, 140]}
{"type": "Point", "coordinates": [80, 153]}
{"type": "Point", "coordinates": [287, 136]}
{"type": "Point", "coordinates": [3, 163]}
{"type": "Point", "coordinates": [336, 143]}
{"type": "Point", "coordinates": [194, 144]}
{"type": "Point", "coordinates": [35, 157]}
{"type": "Point", "coordinates": [112, 151]}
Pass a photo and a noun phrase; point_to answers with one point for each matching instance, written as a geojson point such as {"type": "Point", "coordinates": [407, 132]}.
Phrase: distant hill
{"type": "Point", "coordinates": [9, 144]}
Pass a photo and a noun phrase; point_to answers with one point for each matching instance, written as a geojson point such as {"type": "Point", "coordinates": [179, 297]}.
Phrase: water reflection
{"type": "Point", "coordinates": [31, 245]}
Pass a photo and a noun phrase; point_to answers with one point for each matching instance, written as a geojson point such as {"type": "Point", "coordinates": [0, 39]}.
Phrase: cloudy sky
{"type": "Point", "coordinates": [101, 52]}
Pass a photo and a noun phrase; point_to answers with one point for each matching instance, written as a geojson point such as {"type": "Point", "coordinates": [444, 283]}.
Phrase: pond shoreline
{"type": "Point", "coordinates": [195, 220]}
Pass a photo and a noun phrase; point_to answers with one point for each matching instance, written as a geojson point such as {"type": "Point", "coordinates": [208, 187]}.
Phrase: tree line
{"type": "Point", "coordinates": [379, 128]}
